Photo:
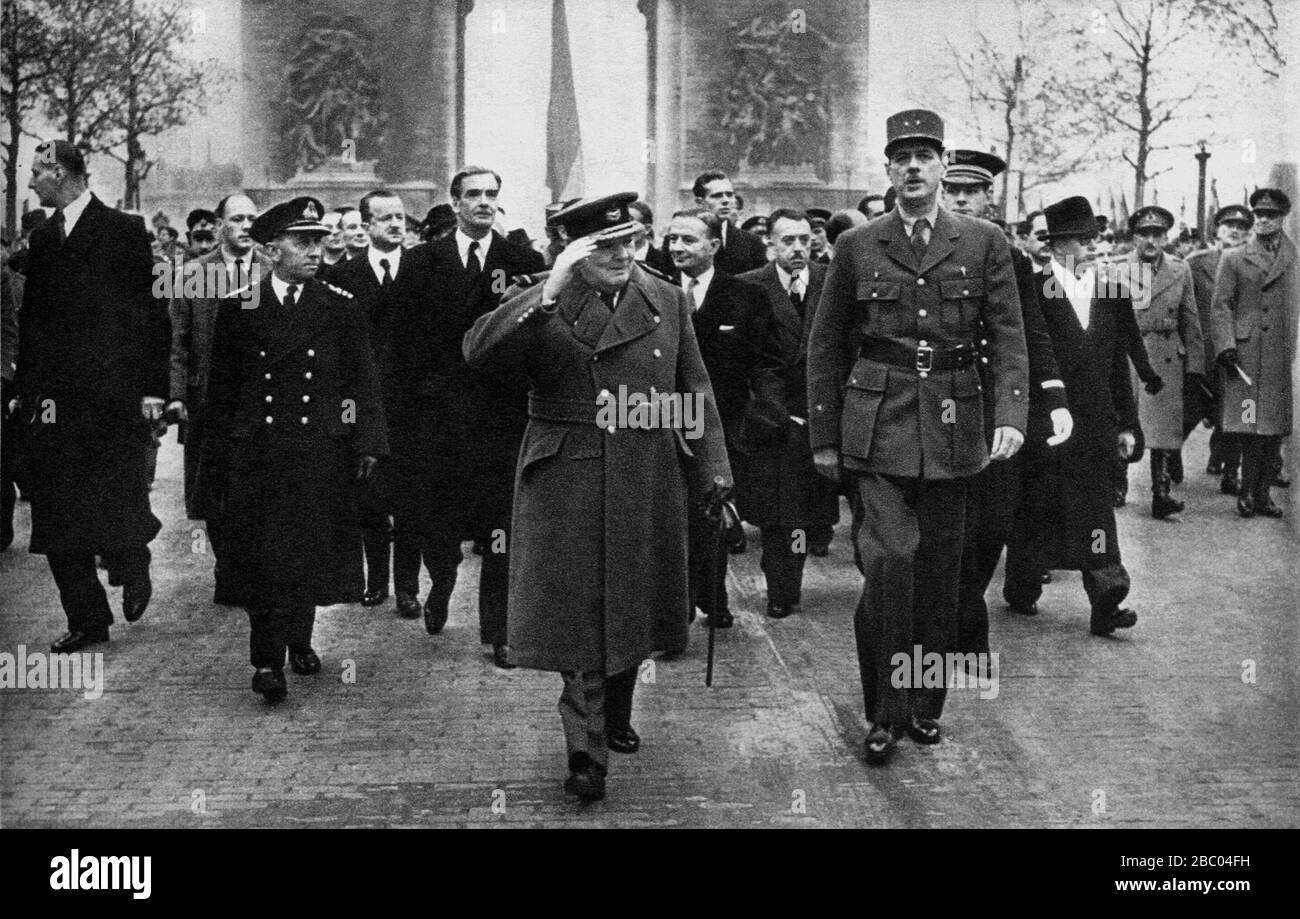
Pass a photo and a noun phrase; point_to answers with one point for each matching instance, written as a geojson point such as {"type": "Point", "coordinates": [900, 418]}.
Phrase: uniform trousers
{"type": "Point", "coordinates": [84, 601]}
{"type": "Point", "coordinates": [782, 565]}
{"type": "Point", "coordinates": [442, 556]}
{"type": "Point", "coordinates": [272, 630]}
{"type": "Point", "coordinates": [908, 536]}
{"type": "Point", "coordinates": [592, 705]}
{"type": "Point", "coordinates": [1261, 462]}
{"type": "Point", "coordinates": [991, 500]}
{"type": "Point", "coordinates": [708, 562]}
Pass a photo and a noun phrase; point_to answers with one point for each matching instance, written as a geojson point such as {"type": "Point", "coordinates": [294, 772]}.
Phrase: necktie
{"type": "Point", "coordinates": [920, 237]}
{"type": "Point", "coordinates": [472, 265]}
{"type": "Point", "coordinates": [607, 299]}
{"type": "Point", "coordinates": [59, 223]}
{"type": "Point", "coordinates": [692, 287]}
{"type": "Point", "coordinates": [387, 280]}
{"type": "Point", "coordinates": [796, 295]}
{"type": "Point", "coordinates": [291, 296]}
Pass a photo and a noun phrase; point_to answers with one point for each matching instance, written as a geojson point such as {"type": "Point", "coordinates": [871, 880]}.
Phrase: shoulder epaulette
{"type": "Point", "coordinates": [654, 272]}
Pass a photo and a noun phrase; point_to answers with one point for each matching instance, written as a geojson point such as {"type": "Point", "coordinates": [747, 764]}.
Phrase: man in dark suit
{"type": "Point", "coordinates": [895, 400]}
{"type": "Point", "coordinates": [1231, 228]}
{"type": "Point", "coordinates": [293, 417]}
{"type": "Point", "coordinates": [456, 430]}
{"type": "Point", "coordinates": [740, 251]}
{"type": "Point", "coordinates": [781, 492]}
{"type": "Point", "coordinates": [992, 494]}
{"type": "Point", "coordinates": [732, 320]}
{"type": "Point", "coordinates": [92, 374]}
{"type": "Point", "coordinates": [1066, 518]}
{"type": "Point", "coordinates": [376, 279]}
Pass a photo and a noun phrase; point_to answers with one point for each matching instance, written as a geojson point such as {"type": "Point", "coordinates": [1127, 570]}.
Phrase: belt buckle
{"type": "Point", "coordinates": [924, 359]}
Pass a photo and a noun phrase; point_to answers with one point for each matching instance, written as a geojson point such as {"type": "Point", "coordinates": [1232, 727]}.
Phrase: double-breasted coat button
{"type": "Point", "coordinates": [984, 359]}
{"type": "Point", "coordinates": [658, 353]}
{"type": "Point", "coordinates": [268, 376]}
{"type": "Point", "coordinates": [311, 353]}
{"type": "Point", "coordinates": [923, 374]}
{"type": "Point", "coordinates": [268, 398]}
{"type": "Point", "coordinates": [922, 313]}
{"type": "Point", "coordinates": [984, 341]}
{"type": "Point", "coordinates": [920, 282]}
{"type": "Point", "coordinates": [261, 354]}
{"type": "Point", "coordinates": [1015, 392]}
{"type": "Point", "coordinates": [306, 398]}
{"type": "Point", "coordinates": [269, 419]}
{"type": "Point", "coordinates": [656, 321]}
{"type": "Point", "coordinates": [965, 293]}
{"type": "Point", "coordinates": [307, 375]}
{"type": "Point", "coordinates": [304, 419]}
{"type": "Point", "coordinates": [921, 343]}
{"type": "Point", "coordinates": [604, 393]}
{"type": "Point", "coordinates": [610, 429]}
{"type": "Point", "coordinates": [875, 293]}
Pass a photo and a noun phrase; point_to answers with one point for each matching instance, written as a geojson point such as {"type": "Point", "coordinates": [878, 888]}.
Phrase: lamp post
{"type": "Point", "coordinates": [1201, 159]}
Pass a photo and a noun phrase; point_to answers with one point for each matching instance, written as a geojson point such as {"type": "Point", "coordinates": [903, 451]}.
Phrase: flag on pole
{"type": "Point", "coordinates": [563, 139]}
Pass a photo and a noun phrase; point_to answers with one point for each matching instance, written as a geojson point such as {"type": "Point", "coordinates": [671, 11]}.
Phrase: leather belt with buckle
{"type": "Point", "coordinates": [922, 359]}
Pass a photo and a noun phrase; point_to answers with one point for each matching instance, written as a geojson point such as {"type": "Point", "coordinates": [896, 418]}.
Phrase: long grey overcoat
{"type": "Point", "coordinates": [598, 564]}
{"type": "Point", "coordinates": [1164, 304]}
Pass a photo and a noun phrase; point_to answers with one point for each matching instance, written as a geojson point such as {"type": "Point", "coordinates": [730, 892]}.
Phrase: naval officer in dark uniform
{"type": "Point", "coordinates": [896, 402]}
{"type": "Point", "coordinates": [294, 419]}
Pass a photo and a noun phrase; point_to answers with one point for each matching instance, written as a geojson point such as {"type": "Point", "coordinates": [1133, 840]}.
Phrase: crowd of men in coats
{"type": "Point", "coordinates": [354, 407]}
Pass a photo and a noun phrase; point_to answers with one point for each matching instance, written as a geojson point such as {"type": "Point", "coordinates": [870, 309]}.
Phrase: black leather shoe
{"type": "Point", "coordinates": [776, 611]}
{"type": "Point", "coordinates": [135, 597]}
{"type": "Point", "coordinates": [1105, 623]}
{"type": "Point", "coordinates": [1024, 609]}
{"type": "Point", "coordinates": [408, 606]}
{"type": "Point", "coordinates": [924, 730]}
{"type": "Point", "coordinates": [1246, 505]}
{"type": "Point", "coordinates": [1163, 506]}
{"type": "Point", "coordinates": [374, 597]}
{"type": "Point", "coordinates": [722, 620]}
{"type": "Point", "coordinates": [501, 657]}
{"type": "Point", "coordinates": [1266, 508]}
{"type": "Point", "coordinates": [75, 640]}
{"type": "Point", "coordinates": [623, 740]}
{"type": "Point", "coordinates": [586, 779]}
{"type": "Point", "coordinates": [881, 741]}
{"type": "Point", "coordinates": [1229, 485]}
{"type": "Point", "coordinates": [304, 661]}
{"type": "Point", "coordinates": [819, 551]}
{"type": "Point", "coordinates": [435, 615]}
{"type": "Point", "coordinates": [271, 684]}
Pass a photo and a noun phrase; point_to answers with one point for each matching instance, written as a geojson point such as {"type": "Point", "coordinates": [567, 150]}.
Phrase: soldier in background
{"type": "Point", "coordinates": [1231, 229]}
{"type": "Point", "coordinates": [1254, 322]}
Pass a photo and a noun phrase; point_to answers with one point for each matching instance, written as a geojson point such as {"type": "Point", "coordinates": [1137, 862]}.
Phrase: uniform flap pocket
{"type": "Point", "coordinates": [961, 288]}
{"type": "Point", "coordinates": [868, 375]}
{"type": "Point", "coordinates": [585, 443]}
{"type": "Point", "coordinates": [541, 444]}
{"type": "Point", "coordinates": [966, 383]}
{"type": "Point", "coordinates": [879, 290]}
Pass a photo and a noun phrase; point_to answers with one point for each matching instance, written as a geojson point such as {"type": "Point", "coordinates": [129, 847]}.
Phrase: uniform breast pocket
{"type": "Point", "coordinates": [961, 302]}
{"type": "Point", "coordinates": [863, 393]}
{"type": "Point", "coordinates": [879, 302]}
{"type": "Point", "coordinates": [1244, 327]}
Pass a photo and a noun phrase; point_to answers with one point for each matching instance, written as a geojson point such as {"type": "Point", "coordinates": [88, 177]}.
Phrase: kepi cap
{"type": "Point", "coordinates": [299, 215]}
{"type": "Point", "coordinates": [972, 167]}
{"type": "Point", "coordinates": [916, 124]}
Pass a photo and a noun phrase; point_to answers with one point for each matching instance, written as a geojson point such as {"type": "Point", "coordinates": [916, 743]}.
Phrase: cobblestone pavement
{"type": "Point", "coordinates": [1154, 728]}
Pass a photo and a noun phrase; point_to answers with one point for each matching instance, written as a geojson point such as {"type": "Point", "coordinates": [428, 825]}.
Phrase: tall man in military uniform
{"type": "Point", "coordinates": [895, 401]}
{"type": "Point", "coordinates": [293, 418]}
{"type": "Point", "coordinates": [598, 566]}
{"type": "Point", "coordinates": [1231, 229]}
{"type": "Point", "coordinates": [1254, 329]}
{"type": "Point", "coordinates": [1164, 303]}
{"type": "Point", "coordinates": [992, 494]}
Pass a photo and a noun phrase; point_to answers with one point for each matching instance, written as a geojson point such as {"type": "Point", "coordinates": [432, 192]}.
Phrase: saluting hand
{"type": "Point", "coordinates": [565, 262]}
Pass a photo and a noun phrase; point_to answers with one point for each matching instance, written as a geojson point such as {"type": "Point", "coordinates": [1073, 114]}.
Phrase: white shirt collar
{"type": "Point", "coordinates": [72, 213]}
{"type": "Point", "coordinates": [932, 215]}
{"type": "Point", "coordinates": [394, 259]}
{"type": "Point", "coordinates": [1078, 290]}
{"type": "Point", "coordinates": [786, 278]}
{"type": "Point", "coordinates": [280, 288]}
{"type": "Point", "coordinates": [462, 244]}
{"type": "Point", "coordinates": [701, 286]}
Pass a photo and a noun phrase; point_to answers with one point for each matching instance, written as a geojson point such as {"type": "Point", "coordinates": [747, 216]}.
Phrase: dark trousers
{"type": "Point", "coordinates": [708, 563]}
{"type": "Point", "coordinates": [84, 601]}
{"type": "Point", "coordinates": [442, 556]}
{"type": "Point", "coordinates": [821, 534]}
{"type": "Point", "coordinates": [1226, 449]}
{"type": "Point", "coordinates": [782, 565]}
{"type": "Point", "coordinates": [908, 534]}
{"type": "Point", "coordinates": [591, 705]}
{"type": "Point", "coordinates": [991, 500]}
{"type": "Point", "coordinates": [272, 631]}
{"type": "Point", "coordinates": [1106, 585]}
{"type": "Point", "coordinates": [1261, 461]}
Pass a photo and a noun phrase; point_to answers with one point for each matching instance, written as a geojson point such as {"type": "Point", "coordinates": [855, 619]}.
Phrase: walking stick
{"type": "Point", "coordinates": [722, 511]}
